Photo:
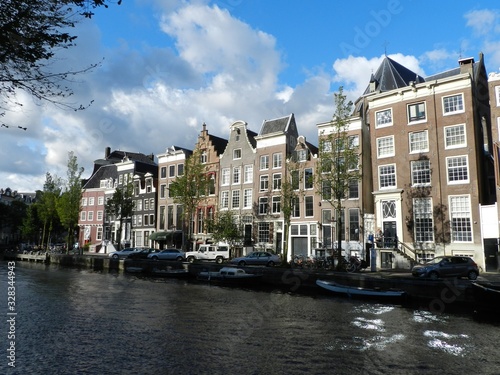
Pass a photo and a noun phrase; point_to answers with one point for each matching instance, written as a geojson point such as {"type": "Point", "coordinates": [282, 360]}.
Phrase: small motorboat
{"type": "Point", "coordinates": [230, 275]}
{"type": "Point", "coordinates": [169, 272]}
{"type": "Point", "coordinates": [359, 291]}
{"type": "Point", "coordinates": [486, 297]}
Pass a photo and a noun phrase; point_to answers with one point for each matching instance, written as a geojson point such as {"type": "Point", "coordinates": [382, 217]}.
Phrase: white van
{"type": "Point", "coordinates": [219, 253]}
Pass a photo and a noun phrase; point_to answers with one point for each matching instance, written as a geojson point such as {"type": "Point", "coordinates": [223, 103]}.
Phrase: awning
{"type": "Point", "coordinates": [161, 236]}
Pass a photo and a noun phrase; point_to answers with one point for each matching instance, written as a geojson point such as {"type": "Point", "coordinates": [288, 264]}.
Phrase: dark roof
{"type": "Point", "coordinates": [251, 137]}
{"type": "Point", "coordinates": [104, 172]}
{"type": "Point", "coordinates": [218, 143]}
{"type": "Point", "coordinates": [392, 75]}
{"type": "Point", "coordinates": [280, 125]}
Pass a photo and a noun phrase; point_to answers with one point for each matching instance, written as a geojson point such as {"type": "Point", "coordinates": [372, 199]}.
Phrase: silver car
{"type": "Point", "coordinates": [122, 254]}
{"type": "Point", "coordinates": [168, 254]}
{"type": "Point", "coordinates": [258, 258]}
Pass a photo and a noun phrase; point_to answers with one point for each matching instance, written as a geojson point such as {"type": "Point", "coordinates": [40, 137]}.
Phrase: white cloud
{"type": "Point", "coordinates": [482, 21]}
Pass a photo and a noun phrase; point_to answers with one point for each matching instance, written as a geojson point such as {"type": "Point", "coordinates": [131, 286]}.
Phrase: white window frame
{"type": "Point", "coordinates": [236, 175]}
{"type": "Point", "coordinates": [393, 166]}
{"type": "Point", "coordinates": [383, 118]}
{"type": "Point", "coordinates": [276, 181]}
{"type": "Point", "coordinates": [497, 95]}
{"type": "Point", "coordinates": [264, 162]}
{"type": "Point", "coordinates": [247, 198]}
{"type": "Point", "coordinates": [390, 147]}
{"type": "Point", "coordinates": [248, 174]}
{"type": "Point", "coordinates": [276, 204]}
{"type": "Point", "coordinates": [224, 199]}
{"type": "Point", "coordinates": [449, 137]}
{"type": "Point", "coordinates": [235, 199]}
{"type": "Point", "coordinates": [277, 160]}
{"type": "Point", "coordinates": [237, 153]}
{"type": "Point", "coordinates": [453, 111]}
{"type": "Point", "coordinates": [225, 176]}
{"type": "Point", "coordinates": [466, 166]}
{"type": "Point", "coordinates": [413, 170]}
{"type": "Point", "coordinates": [100, 201]}
{"type": "Point", "coordinates": [418, 120]}
{"type": "Point", "coordinates": [460, 208]}
{"type": "Point", "coordinates": [422, 209]}
{"type": "Point", "coordinates": [417, 145]}
{"type": "Point", "coordinates": [264, 182]}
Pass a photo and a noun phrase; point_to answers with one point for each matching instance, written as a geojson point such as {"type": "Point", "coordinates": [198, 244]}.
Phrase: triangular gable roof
{"type": "Point", "coordinates": [392, 75]}
{"type": "Point", "coordinates": [279, 125]}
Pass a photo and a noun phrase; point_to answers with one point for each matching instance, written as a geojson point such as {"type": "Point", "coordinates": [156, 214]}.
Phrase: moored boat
{"type": "Point", "coordinates": [230, 275]}
{"type": "Point", "coordinates": [359, 291]}
{"type": "Point", "coordinates": [169, 272]}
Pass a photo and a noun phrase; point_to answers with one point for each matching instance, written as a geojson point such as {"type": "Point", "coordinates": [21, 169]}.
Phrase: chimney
{"type": "Point", "coordinates": [466, 64]}
{"type": "Point", "coordinates": [107, 152]}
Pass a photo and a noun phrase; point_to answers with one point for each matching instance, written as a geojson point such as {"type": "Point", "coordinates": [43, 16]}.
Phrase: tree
{"type": "Point", "coordinates": [191, 188]}
{"type": "Point", "coordinates": [226, 228]}
{"type": "Point", "coordinates": [30, 34]}
{"type": "Point", "coordinates": [46, 207]}
{"type": "Point", "coordinates": [68, 205]}
{"type": "Point", "coordinates": [338, 162]}
{"type": "Point", "coordinates": [120, 207]}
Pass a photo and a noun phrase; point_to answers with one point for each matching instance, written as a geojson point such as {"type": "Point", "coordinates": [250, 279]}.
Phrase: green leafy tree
{"type": "Point", "coordinates": [68, 205]}
{"type": "Point", "coordinates": [47, 207]}
{"type": "Point", "coordinates": [338, 162]}
{"type": "Point", "coordinates": [11, 216]}
{"type": "Point", "coordinates": [191, 188]}
{"type": "Point", "coordinates": [30, 224]}
{"type": "Point", "coordinates": [120, 207]}
{"type": "Point", "coordinates": [31, 33]}
{"type": "Point", "coordinates": [226, 227]}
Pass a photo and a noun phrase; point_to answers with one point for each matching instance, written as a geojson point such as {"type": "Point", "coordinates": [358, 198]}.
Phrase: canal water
{"type": "Point", "coordinates": [82, 322]}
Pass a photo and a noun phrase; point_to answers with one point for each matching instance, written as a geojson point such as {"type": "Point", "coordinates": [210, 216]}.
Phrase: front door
{"type": "Point", "coordinates": [389, 231]}
{"type": "Point", "coordinates": [490, 254]}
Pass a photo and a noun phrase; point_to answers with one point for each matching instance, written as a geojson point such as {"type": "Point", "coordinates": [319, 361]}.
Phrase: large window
{"type": "Point", "coordinates": [235, 199]}
{"type": "Point", "coordinates": [354, 224]}
{"type": "Point", "coordinates": [225, 176]}
{"type": "Point", "coordinates": [353, 189]}
{"type": "Point", "coordinates": [460, 212]}
{"type": "Point", "coordinates": [458, 169]}
{"type": "Point", "coordinates": [264, 182]}
{"type": "Point", "coordinates": [416, 112]}
{"type": "Point", "coordinates": [295, 207]}
{"type": "Point", "coordinates": [419, 141]}
{"type": "Point", "coordinates": [385, 146]}
{"type": "Point", "coordinates": [383, 118]}
{"type": "Point", "coordinates": [422, 215]}
{"type": "Point", "coordinates": [224, 199]}
{"type": "Point", "coordinates": [387, 176]}
{"type": "Point", "coordinates": [247, 198]}
{"type": "Point", "coordinates": [309, 206]}
{"type": "Point", "coordinates": [420, 172]}
{"type": "Point", "coordinates": [453, 104]}
{"type": "Point", "coordinates": [200, 220]}
{"type": "Point", "coordinates": [263, 232]}
{"type": "Point", "coordinates": [277, 160]}
{"type": "Point", "coordinates": [180, 169]}
{"type": "Point", "coordinates": [237, 153]}
{"type": "Point", "coordinates": [277, 181]}
{"type": "Point", "coordinates": [264, 162]}
{"type": "Point", "coordinates": [308, 178]}
{"type": "Point", "coordinates": [455, 136]}
{"type": "Point", "coordinates": [163, 172]}
{"type": "Point", "coordinates": [236, 175]}
{"type": "Point", "coordinates": [276, 204]}
{"type": "Point", "coordinates": [248, 177]}
{"type": "Point", "coordinates": [263, 204]}
{"type": "Point", "coordinates": [171, 171]}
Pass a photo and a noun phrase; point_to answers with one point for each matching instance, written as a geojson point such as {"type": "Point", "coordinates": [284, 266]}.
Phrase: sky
{"type": "Point", "coordinates": [168, 66]}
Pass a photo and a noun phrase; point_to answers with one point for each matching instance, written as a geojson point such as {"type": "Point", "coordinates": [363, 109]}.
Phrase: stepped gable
{"type": "Point", "coordinates": [218, 143]}
{"type": "Point", "coordinates": [391, 75]}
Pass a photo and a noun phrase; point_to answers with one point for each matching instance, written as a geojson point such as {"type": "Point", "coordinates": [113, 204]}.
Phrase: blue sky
{"type": "Point", "coordinates": [168, 66]}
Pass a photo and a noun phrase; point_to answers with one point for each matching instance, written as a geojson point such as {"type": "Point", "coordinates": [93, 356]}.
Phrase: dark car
{"type": "Point", "coordinates": [258, 258]}
{"type": "Point", "coordinates": [142, 253]}
{"type": "Point", "coordinates": [447, 266]}
{"type": "Point", "coordinates": [167, 254]}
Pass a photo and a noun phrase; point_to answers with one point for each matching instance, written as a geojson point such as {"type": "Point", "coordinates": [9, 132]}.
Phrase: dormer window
{"type": "Point", "coordinates": [301, 155]}
{"type": "Point", "coordinates": [237, 153]}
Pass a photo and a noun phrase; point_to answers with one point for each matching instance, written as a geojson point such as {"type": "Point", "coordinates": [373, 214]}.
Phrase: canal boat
{"type": "Point", "coordinates": [230, 275]}
{"type": "Point", "coordinates": [359, 291]}
{"type": "Point", "coordinates": [486, 297]}
{"type": "Point", "coordinates": [169, 272]}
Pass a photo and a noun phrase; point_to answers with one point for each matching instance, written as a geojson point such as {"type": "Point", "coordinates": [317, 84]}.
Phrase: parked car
{"type": "Point", "coordinates": [257, 258]}
{"type": "Point", "coordinates": [447, 266]}
{"type": "Point", "coordinates": [167, 254]}
{"type": "Point", "coordinates": [142, 253]}
{"type": "Point", "coordinates": [121, 254]}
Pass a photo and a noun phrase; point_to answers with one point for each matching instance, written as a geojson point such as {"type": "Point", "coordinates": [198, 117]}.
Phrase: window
{"type": "Point", "coordinates": [211, 184]}
{"type": "Point", "coordinates": [224, 199]}
{"type": "Point", "coordinates": [146, 204]}
{"type": "Point", "coordinates": [353, 189]}
{"type": "Point", "coordinates": [301, 155]}
{"type": "Point", "coordinates": [235, 199]}
{"type": "Point", "coordinates": [295, 180]}
{"type": "Point", "coordinates": [461, 225]}
{"type": "Point", "coordinates": [264, 182]}
{"type": "Point", "coordinates": [262, 205]}
{"type": "Point", "coordinates": [497, 95]}
{"type": "Point", "coordinates": [453, 104]}
{"type": "Point", "coordinates": [308, 178]}
{"type": "Point", "coordinates": [180, 169]}
{"type": "Point", "coordinates": [138, 206]}
{"type": "Point", "coordinates": [204, 157]}
{"type": "Point", "coordinates": [295, 207]}
{"type": "Point", "coordinates": [326, 192]}
{"type": "Point", "coordinates": [420, 172]}
{"type": "Point", "coordinates": [353, 142]}
{"type": "Point", "coordinates": [225, 176]}
{"type": "Point", "coordinates": [277, 160]}
{"type": "Point", "coordinates": [385, 147]}
{"type": "Point", "coordinates": [383, 118]}
{"type": "Point", "coordinates": [309, 206]}
{"type": "Point", "coordinates": [163, 172]}
{"type": "Point", "coordinates": [83, 216]}
{"type": "Point", "coordinates": [91, 201]}
{"type": "Point", "coordinates": [458, 169]}
{"type": "Point", "coordinates": [236, 175]}
{"type": "Point", "coordinates": [171, 171]}
{"type": "Point", "coordinates": [422, 215]}
{"type": "Point", "coordinates": [264, 162]}
{"type": "Point", "coordinates": [247, 198]}
{"type": "Point", "coordinates": [99, 233]}
{"type": "Point", "coordinates": [237, 153]}
{"type": "Point", "coordinates": [263, 232]}
{"type": "Point", "coordinates": [99, 215]}
{"type": "Point", "coordinates": [91, 216]}
{"type": "Point", "coordinates": [151, 204]}
{"type": "Point", "coordinates": [170, 192]}
{"type": "Point", "coordinates": [100, 201]}
{"type": "Point", "coordinates": [354, 224]}
{"type": "Point", "coordinates": [277, 181]}
{"type": "Point", "coordinates": [84, 201]}
{"type": "Point", "coordinates": [419, 141]}
{"type": "Point", "coordinates": [248, 177]}
{"type": "Point", "coordinates": [387, 176]}
{"type": "Point", "coordinates": [455, 136]}
{"type": "Point", "coordinates": [276, 205]}
{"type": "Point", "coordinates": [170, 217]}
{"type": "Point", "coordinates": [416, 112]}
{"type": "Point", "coordinates": [146, 220]}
